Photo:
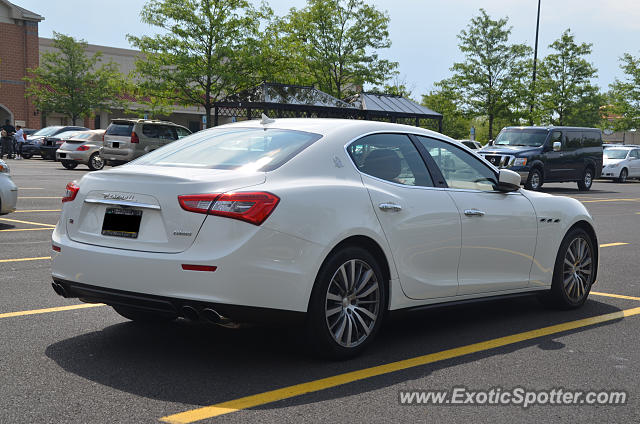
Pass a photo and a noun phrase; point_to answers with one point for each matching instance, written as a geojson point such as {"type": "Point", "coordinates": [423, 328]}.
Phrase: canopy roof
{"type": "Point", "coordinates": [390, 103]}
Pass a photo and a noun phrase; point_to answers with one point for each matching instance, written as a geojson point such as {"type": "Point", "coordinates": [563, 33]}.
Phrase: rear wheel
{"type": "Point", "coordinates": [623, 176]}
{"type": "Point", "coordinates": [587, 180]}
{"type": "Point", "coordinates": [69, 164]}
{"type": "Point", "coordinates": [143, 315]}
{"type": "Point", "coordinates": [534, 180]}
{"type": "Point", "coordinates": [347, 304]}
{"type": "Point", "coordinates": [574, 271]}
{"type": "Point", "coordinates": [95, 162]}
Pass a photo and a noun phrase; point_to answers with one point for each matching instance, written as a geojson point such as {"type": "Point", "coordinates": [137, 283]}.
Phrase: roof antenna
{"type": "Point", "coordinates": [266, 120]}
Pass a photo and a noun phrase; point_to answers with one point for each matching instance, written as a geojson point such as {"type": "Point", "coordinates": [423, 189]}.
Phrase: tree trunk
{"type": "Point", "coordinates": [491, 126]}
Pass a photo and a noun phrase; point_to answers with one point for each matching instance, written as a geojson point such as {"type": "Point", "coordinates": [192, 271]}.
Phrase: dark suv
{"type": "Point", "coordinates": [548, 154]}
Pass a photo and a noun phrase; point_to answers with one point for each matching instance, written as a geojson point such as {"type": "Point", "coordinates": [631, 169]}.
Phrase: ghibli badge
{"type": "Point", "coordinates": [118, 196]}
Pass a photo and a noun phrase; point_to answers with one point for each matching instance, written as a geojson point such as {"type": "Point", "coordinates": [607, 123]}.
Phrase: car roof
{"type": "Point", "coordinates": [553, 127]}
{"type": "Point", "coordinates": [143, 121]}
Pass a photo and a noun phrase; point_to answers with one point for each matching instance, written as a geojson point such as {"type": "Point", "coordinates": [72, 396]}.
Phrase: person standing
{"type": "Point", "coordinates": [18, 138]}
{"type": "Point", "coordinates": [7, 131]}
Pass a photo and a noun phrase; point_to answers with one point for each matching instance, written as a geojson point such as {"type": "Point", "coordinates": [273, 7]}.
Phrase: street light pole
{"type": "Point", "coordinates": [535, 63]}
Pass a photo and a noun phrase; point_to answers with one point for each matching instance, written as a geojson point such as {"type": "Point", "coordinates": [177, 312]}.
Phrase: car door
{"type": "Point", "coordinates": [634, 163]}
{"type": "Point", "coordinates": [499, 229]}
{"type": "Point", "coordinates": [555, 168]}
{"type": "Point", "coordinates": [420, 221]}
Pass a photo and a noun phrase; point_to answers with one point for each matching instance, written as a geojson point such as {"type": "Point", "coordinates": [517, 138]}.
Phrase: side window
{"type": "Point", "coordinates": [635, 154]}
{"type": "Point", "coordinates": [182, 132]}
{"type": "Point", "coordinates": [150, 131]}
{"type": "Point", "coordinates": [459, 168]}
{"type": "Point", "coordinates": [574, 140]}
{"type": "Point", "coordinates": [166, 132]}
{"type": "Point", "coordinates": [391, 157]}
{"type": "Point", "coordinates": [556, 136]}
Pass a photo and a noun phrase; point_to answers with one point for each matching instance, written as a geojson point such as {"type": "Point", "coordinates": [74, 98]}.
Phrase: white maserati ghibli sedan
{"type": "Point", "coordinates": [337, 222]}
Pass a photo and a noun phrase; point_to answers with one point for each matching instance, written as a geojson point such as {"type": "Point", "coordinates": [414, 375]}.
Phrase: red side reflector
{"type": "Point", "coordinates": [210, 268]}
{"type": "Point", "coordinates": [56, 248]}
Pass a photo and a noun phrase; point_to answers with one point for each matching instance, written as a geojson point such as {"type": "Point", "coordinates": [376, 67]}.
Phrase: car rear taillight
{"type": "Point", "coordinates": [252, 207]}
{"type": "Point", "coordinates": [71, 192]}
{"type": "Point", "coordinates": [134, 137]}
{"type": "Point", "coordinates": [82, 148]}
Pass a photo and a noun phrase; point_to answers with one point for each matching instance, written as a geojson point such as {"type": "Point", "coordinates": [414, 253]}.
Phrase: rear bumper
{"type": "Point", "coordinates": [118, 155]}
{"type": "Point", "coordinates": [48, 152]}
{"type": "Point", "coordinates": [82, 157]}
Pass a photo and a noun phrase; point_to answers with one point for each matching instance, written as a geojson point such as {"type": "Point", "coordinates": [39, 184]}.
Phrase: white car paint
{"type": "Point", "coordinates": [435, 253]}
{"type": "Point", "coordinates": [8, 190]}
{"type": "Point", "coordinates": [612, 168]}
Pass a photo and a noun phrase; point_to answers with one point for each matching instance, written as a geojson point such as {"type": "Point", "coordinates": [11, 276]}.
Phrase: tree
{"type": "Point", "coordinates": [70, 82]}
{"type": "Point", "coordinates": [338, 41]}
{"type": "Point", "coordinates": [491, 76]}
{"type": "Point", "coordinates": [625, 94]}
{"type": "Point", "coordinates": [205, 52]}
{"type": "Point", "coordinates": [445, 101]}
{"type": "Point", "coordinates": [566, 94]}
{"type": "Point", "coordinates": [396, 87]}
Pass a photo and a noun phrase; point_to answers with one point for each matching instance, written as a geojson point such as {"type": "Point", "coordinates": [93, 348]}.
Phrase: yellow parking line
{"type": "Point", "coordinates": [350, 377]}
{"type": "Point", "coordinates": [42, 258]}
{"type": "Point", "coordinates": [612, 244]}
{"type": "Point", "coordinates": [619, 296]}
{"type": "Point", "coordinates": [49, 197]}
{"type": "Point", "coordinates": [30, 188]}
{"type": "Point", "coordinates": [47, 310]}
{"type": "Point", "coordinates": [37, 210]}
{"type": "Point", "coordinates": [27, 222]}
{"type": "Point", "coordinates": [611, 200]}
{"type": "Point", "coordinates": [28, 229]}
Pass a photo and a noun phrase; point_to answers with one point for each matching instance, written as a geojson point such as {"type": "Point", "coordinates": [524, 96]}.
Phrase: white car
{"type": "Point", "coordinates": [620, 163]}
{"type": "Point", "coordinates": [8, 190]}
{"type": "Point", "coordinates": [336, 221]}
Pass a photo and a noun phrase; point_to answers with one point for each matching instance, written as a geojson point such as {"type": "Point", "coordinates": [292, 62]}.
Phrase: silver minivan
{"type": "Point", "coordinates": [128, 139]}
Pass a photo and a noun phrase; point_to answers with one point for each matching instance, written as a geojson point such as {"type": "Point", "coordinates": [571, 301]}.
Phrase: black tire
{"type": "Point", "coordinates": [96, 163]}
{"type": "Point", "coordinates": [623, 176]}
{"type": "Point", "coordinates": [572, 294]}
{"type": "Point", "coordinates": [534, 180]}
{"type": "Point", "coordinates": [143, 315]}
{"type": "Point", "coordinates": [69, 164]}
{"type": "Point", "coordinates": [320, 321]}
{"type": "Point", "coordinates": [27, 156]}
{"type": "Point", "coordinates": [585, 183]}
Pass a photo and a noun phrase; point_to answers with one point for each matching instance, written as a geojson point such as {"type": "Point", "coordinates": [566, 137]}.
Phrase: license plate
{"type": "Point", "coordinates": [115, 144]}
{"type": "Point", "coordinates": [121, 222]}
{"type": "Point", "coordinates": [63, 155]}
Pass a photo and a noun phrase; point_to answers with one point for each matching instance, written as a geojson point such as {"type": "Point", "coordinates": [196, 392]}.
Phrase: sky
{"type": "Point", "coordinates": [423, 32]}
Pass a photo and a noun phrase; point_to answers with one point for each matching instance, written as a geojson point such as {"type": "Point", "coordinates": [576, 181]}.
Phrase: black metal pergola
{"type": "Point", "coordinates": [295, 101]}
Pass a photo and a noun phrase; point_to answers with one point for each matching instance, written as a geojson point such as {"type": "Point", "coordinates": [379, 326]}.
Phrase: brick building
{"type": "Point", "coordinates": [19, 50]}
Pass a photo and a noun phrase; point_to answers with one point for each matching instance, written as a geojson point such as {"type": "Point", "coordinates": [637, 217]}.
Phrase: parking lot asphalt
{"type": "Point", "coordinates": [65, 364]}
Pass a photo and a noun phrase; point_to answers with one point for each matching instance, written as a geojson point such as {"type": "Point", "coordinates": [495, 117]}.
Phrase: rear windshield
{"type": "Point", "coordinates": [254, 149]}
{"type": "Point", "coordinates": [615, 153]}
{"type": "Point", "coordinates": [122, 129]}
{"type": "Point", "coordinates": [46, 131]}
{"type": "Point", "coordinates": [521, 137]}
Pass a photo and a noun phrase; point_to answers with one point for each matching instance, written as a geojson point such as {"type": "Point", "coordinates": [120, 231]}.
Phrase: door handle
{"type": "Point", "coordinates": [391, 207]}
{"type": "Point", "coordinates": [473, 212]}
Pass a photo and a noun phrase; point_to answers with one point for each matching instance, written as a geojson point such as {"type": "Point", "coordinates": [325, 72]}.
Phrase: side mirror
{"type": "Point", "coordinates": [557, 146]}
{"type": "Point", "coordinates": [508, 180]}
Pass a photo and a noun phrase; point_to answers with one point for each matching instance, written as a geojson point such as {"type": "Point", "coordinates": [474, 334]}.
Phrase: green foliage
{"type": "Point", "coordinates": [70, 82]}
{"type": "Point", "coordinates": [492, 79]}
{"type": "Point", "coordinates": [445, 101]}
{"type": "Point", "coordinates": [625, 94]}
{"type": "Point", "coordinates": [335, 42]}
{"type": "Point", "coordinates": [566, 94]}
{"type": "Point", "coordinates": [207, 50]}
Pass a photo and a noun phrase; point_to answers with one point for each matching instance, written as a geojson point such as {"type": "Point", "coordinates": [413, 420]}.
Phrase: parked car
{"type": "Point", "coordinates": [8, 190]}
{"type": "Point", "coordinates": [548, 154]}
{"type": "Point", "coordinates": [331, 221]}
{"type": "Point", "coordinates": [31, 147]}
{"type": "Point", "coordinates": [621, 162]}
{"type": "Point", "coordinates": [83, 147]}
{"type": "Point", "coordinates": [50, 144]}
{"type": "Point", "coordinates": [472, 144]}
{"type": "Point", "coordinates": [128, 139]}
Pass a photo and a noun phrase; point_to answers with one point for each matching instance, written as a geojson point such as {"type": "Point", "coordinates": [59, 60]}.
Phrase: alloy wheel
{"type": "Point", "coordinates": [577, 269]}
{"type": "Point", "coordinates": [352, 303]}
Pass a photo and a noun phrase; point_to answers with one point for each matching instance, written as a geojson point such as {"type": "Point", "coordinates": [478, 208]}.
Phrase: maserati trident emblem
{"type": "Point", "coordinates": [118, 196]}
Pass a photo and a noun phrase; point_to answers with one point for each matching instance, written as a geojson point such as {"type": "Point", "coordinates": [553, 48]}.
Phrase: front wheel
{"type": "Point", "coordinates": [347, 304]}
{"type": "Point", "coordinates": [534, 180]}
{"type": "Point", "coordinates": [95, 162]}
{"type": "Point", "coordinates": [587, 180]}
{"type": "Point", "coordinates": [69, 164]}
{"type": "Point", "coordinates": [574, 271]}
{"type": "Point", "coordinates": [623, 176]}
